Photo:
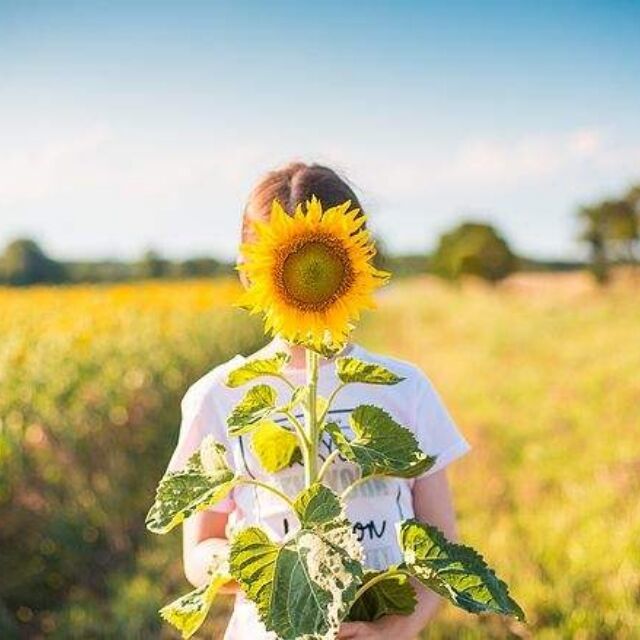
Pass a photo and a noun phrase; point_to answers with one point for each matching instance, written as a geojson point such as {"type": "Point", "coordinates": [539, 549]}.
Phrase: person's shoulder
{"type": "Point", "coordinates": [407, 370]}
{"type": "Point", "coordinates": [211, 383]}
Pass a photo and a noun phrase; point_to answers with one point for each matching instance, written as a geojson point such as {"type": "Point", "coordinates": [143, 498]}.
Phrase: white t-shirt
{"type": "Point", "coordinates": [374, 507]}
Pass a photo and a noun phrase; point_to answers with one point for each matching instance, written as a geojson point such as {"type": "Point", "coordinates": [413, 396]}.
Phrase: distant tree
{"type": "Point", "coordinates": [406, 264]}
{"type": "Point", "coordinates": [153, 265]}
{"type": "Point", "coordinates": [621, 227]}
{"type": "Point", "coordinates": [632, 200]}
{"type": "Point", "coordinates": [473, 248]}
{"type": "Point", "coordinates": [199, 267]}
{"type": "Point", "coordinates": [24, 262]}
{"type": "Point", "coordinates": [594, 233]}
{"type": "Point", "coordinates": [612, 230]}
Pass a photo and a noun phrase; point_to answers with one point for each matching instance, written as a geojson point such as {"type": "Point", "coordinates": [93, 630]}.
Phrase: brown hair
{"type": "Point", "coordinates": [291, 185]}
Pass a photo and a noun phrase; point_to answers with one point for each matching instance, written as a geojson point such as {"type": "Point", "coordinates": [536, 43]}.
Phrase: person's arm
{"type": "Point", "coordinates": [204, 536]}
{"type": "Point", "coordinates": [432, 503]}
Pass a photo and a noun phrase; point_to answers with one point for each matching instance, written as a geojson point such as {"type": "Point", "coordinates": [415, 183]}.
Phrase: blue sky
{"type": "Point", "coordinates": [130, 125]}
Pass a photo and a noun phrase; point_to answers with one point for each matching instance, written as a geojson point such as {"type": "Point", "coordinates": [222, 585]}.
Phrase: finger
{"type": "Point", "coordinates": [349, 631]}
{"type": "Point", "coordinates": [353, 631]}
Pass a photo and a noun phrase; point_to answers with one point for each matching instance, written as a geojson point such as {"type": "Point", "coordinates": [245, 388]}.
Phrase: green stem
{"type": "Point", "coordinates": [268, 487]}
{"type": "Point", "coordinates": [311, 418]}
{"type": "Point", "coordinates": [285, 379]}
{"type": "Point", "coordinates": [327, 463]}
{"type": "Point", "coordinates": [379, 578]}
{"type": "Point", "coordinates": [297, 426]}
{"type": "Point", "coordinates": [330, 400]}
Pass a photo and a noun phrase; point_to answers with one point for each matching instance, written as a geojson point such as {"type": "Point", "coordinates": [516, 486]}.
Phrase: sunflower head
{"type": "Point", "coordinates": [311, 274]}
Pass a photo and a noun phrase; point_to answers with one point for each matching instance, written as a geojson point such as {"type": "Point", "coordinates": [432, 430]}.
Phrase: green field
{"type": "Point", "coordinates": [541, 374]}
{"type": "Point", "coordinates": [545, 381]}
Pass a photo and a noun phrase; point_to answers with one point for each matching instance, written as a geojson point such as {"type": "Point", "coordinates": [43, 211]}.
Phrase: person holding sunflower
{"type": "Point", "coordinates": [306, 263]}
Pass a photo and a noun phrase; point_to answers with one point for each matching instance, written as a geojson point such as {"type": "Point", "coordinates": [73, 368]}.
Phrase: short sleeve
{"type": "Point", "coordinates": [199, 418]}
{"type": "Point", "coordinates": [436, 431]}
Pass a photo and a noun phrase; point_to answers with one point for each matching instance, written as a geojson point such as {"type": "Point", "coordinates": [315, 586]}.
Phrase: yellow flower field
{"type": "Point", "coordinates": [544, 379]}
{"type": "Point", "coordinates": [542, 375]}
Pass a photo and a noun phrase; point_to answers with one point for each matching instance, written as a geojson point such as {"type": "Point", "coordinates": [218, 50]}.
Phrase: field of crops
{"type": "Point", "coordinates": [542, 376]}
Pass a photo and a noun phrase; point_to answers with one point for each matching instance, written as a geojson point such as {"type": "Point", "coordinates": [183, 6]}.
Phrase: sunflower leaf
{"type": "Point", "coordinates": [188, 612]}
{"type": "Point", "coordinates": [381, 446]}
{"type": "Point", "coordinates": [456, 572]}
{"type": "Point", "coordinates": [275, 447]}
{"type": "Point", "coordinates": [353, 370]}
{"type": "Point", "coordinates": [304, 587]}
{"type": "Point", "coordinates": [213, 457]}
{"type": "Point", "coordinates": [329, 347]}
{"type": "Point", "coordinates": [205, 480]}
{"type": "Point", "coordinates": [317, 505]}
{"type": "Point", "coordinates": [256, 368]}
{"type": "Point", "coordinates": [392, 594]}
{"type": "Point", "coordinates": [257, 405]}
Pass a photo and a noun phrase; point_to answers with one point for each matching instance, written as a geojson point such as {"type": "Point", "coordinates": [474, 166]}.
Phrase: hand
{"type": "Point", "coordinates": [387, 627]}
{"type": "Point", "coordinates": [359, 631]}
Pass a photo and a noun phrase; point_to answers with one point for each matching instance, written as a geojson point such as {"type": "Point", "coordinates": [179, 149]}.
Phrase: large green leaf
{"type": "Point", "coordinates": [252, 562]}
{"type": "Point", "coordinates": [205, 480]}
{"type": "Point", "coordinates": [353, 370]}
{"type": "Point", "coordinates": [188, 612]}
{"type": "Point", "coordinates": [305, 587]}
{"type": "Point", "coordinates": [275, 447]}
{"type": "Point", "coordinates": [257, 405]}
{"type": "Point", "coordinates": [257, 368]}
{"type": "Point", "coordinates": [380, 445]}
{"type": "Point", "coordinates": [317, 505]}
{"type": "Point", "coordinates": [391, 595]}
{"type": "Point", "coordinates": [456, 572]}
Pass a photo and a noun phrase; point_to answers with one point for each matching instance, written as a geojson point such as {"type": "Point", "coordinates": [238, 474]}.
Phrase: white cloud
{"type": "Point", "coordinates": [98, 158]}
{"type": "Point", "coordinates": [585, 141]}
{"type": "Point", "coordinates": [488, 164]}
{"type": "Point", "coordinates": [98, 178]}
{"type": "Point", "coordinates": [35, 170]}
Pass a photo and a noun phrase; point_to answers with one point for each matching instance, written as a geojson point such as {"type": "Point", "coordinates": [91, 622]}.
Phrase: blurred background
{"type": "Point", "coordinates": [496, 149]}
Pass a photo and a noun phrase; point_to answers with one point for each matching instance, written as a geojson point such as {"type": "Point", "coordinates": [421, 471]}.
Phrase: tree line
{"type": "Point", "coordinates": [610, 228]}
{"type": "Point", "coordinates": [24, 262]}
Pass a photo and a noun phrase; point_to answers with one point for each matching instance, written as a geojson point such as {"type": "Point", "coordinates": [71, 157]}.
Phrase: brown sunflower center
{"type": "Point", "coordinates": [313, 272]}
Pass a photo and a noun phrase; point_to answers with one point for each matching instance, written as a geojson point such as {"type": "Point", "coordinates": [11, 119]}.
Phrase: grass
{"type": "Point", "coordinates": [541, 374]}
{"type": "Point", "coordinates": [544, 381]}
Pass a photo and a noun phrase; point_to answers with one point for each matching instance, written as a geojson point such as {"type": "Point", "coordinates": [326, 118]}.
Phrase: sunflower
{"type": "Point", "coordinates": [311, 274]}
